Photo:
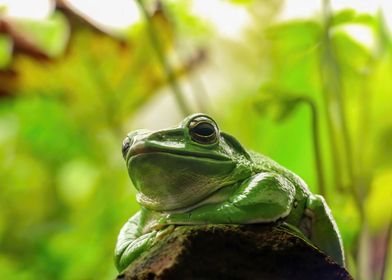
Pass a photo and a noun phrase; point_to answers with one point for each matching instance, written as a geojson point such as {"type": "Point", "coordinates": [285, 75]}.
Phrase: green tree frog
{"type": "Point", "coordinates": [195, 174]}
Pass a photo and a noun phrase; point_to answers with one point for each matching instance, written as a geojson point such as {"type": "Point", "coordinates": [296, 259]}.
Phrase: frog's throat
{"type": "Point", "coordinates": [169, 181]}
{"type": "Point", "coordinates": [218, 196]}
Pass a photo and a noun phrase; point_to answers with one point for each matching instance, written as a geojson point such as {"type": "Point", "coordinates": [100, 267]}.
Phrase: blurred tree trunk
{"type": "Point", "coordinates": [233, 252]}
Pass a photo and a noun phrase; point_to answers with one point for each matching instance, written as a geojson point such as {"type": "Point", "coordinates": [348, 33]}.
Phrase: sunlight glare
{"type": "Point", "coordinates": [31, 9]}
{"type": "Point", "coordinates": [295, 9]}
{"type": "Point", "coordinates": [362, 34]}
{"type": "Point", "coordinates": [115, 14]}
{"type": "Point", "coordinates": [228, 19]}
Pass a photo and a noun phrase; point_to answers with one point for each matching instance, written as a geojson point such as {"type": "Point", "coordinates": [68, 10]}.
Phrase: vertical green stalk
{"type": "Point", "coordinates": [316, 144]}
{"type": "Point", "coordinates": [362, 183]}
{"type": "Point", "coordinates": [332, 90]}
{"type": "Point", "coordinates": [285, 97]}
{"type": "Point", "coordinates": [336, 115]}
{"type": "Point", "coordinates": [330, 103]}
{"type": "Point", "coordinates": [170, 75]}
{"type": "Point", "coordinates": [340, 142]}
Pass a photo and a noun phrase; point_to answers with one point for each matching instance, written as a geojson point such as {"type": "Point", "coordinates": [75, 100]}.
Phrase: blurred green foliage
{"type": "Point", "coordinates": [5, 51]}
{"type": "Point", "coordinates": [64, 190]}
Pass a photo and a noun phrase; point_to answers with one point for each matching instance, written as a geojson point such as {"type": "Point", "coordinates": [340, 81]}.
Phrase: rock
{"type": "Point", "coordinates": [259, 251]}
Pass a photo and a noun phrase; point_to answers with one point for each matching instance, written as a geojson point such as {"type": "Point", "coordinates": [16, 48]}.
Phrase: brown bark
{"type": "Point", "coordinates": [233, 252]}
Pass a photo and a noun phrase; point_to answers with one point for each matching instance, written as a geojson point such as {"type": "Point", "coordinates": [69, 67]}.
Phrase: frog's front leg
{"type": "Point", "coordinates": [131, 241]}
{"type": "Point", "coordinates": [265, 197]}
{"type": "Point", "coordinates": [322, 228]}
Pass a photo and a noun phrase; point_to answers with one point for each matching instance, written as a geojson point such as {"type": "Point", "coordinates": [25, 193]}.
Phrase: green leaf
{"type": "Point", "coordinates": [276, 104]}
{"type": "Point", "coordinates": [298, 35]}
{"type": "Point", "coordinates": [383, 35]}
{"type": "Point", "coordinates": [350, 16]}
{"type": "Point", "coordinates": [352, 55]}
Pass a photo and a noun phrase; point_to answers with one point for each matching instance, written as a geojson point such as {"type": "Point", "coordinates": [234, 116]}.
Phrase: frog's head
{"type": "Point", "coordinates": [178, 167]}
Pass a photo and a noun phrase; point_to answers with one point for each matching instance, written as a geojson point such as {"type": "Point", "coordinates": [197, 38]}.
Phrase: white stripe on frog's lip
{"type": "Point", "coordinates": [141, 148]}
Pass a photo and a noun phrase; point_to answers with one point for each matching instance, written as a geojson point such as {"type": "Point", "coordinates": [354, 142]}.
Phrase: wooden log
{"type": "Point", "coordinates": [259, 251]}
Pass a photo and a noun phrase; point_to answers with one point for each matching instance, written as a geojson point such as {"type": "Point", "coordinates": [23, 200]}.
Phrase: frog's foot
{"type": "Point", "coordinates": [131, 249]}
{"type": "Point", "coordinates": [164, 232]}
{"type": "Point", "coordinates": [133, 241]}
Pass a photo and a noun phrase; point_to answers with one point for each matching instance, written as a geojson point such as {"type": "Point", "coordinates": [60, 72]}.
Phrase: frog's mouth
{"type": "Point", "coordinates": [142, 148]}
{"type": "Point", "coordinates": [168, 181]}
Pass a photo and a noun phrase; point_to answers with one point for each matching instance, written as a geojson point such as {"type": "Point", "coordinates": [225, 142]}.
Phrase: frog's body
{"type": "Point", "coordinates": [194, 174]}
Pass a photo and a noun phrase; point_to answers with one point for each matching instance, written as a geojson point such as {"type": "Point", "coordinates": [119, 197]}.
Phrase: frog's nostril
{"type": "Point", "coordinates": [127, 143]}
{"type": "Point", "coordinates": [137, 134]}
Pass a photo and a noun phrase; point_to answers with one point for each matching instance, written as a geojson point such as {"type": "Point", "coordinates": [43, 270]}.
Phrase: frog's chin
{"type": "Point", "coordinates": [167, 182]}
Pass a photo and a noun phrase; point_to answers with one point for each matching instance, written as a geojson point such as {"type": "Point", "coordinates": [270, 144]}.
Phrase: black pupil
{"type": "Point", "coordinates": [204, 129]}
{"type": "Point", "coordinates": [203, 132]}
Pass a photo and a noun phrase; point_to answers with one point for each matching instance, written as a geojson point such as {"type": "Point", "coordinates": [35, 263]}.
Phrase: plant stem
{"type": "Point", "coordinates": [316, 143]}
{"type": "Point", "coordinates": [170, 75]}
{"type": "Point", "coordinates": [336, 115]}
{"type": "Point", "coordinates": [332, 96]}
{"type": "Point", "coordinates": [340, 141]}
{"type": "Point", "coordinates": [303, 99]}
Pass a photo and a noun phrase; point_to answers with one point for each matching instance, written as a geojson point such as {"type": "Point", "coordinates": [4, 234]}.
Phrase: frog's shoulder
{"type": "Point", "coordinates": [263, 163]}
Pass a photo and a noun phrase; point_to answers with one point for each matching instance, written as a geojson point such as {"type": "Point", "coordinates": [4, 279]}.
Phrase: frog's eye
{"type": "Point", "coordinates": [203, 131]}
{"type": "Point", "coordinates": [125, 146]}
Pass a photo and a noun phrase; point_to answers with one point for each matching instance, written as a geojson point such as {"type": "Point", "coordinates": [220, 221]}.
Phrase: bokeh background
{"type": "Point", "coordinates": [307, 83]}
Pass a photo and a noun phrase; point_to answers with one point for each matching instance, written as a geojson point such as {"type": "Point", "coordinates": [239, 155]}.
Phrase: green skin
{"type": "Point", "coordinates": [194, 174]}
